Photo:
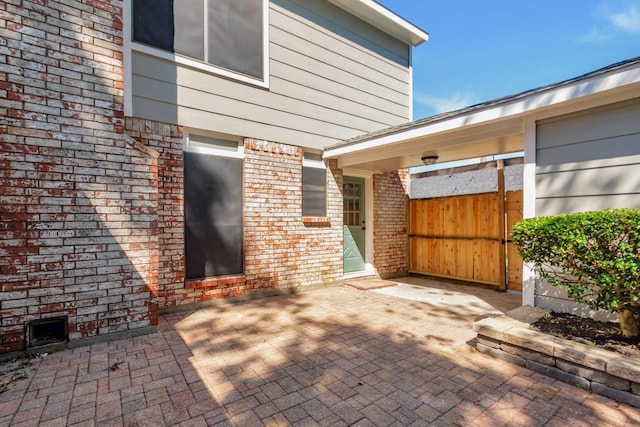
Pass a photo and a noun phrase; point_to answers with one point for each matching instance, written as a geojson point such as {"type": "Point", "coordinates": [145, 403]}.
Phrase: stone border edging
{"type": "Point", "coordinates": [508, 337]}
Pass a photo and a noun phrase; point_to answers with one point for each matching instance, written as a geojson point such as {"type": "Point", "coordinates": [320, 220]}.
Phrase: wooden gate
{"type": "Point", "coordinates": [466, 238]}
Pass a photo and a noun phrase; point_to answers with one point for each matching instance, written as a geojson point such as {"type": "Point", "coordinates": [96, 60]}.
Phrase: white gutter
{"type": "Point", "coordinates": [379, 16]}
{"type": "Point", "coordinates": [614, 80]}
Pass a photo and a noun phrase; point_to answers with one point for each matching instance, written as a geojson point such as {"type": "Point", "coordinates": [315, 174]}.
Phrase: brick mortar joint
{"type": "Point", "coordinates": [272, 147]}
{"type": "Point", "coordinates": [141, 147]}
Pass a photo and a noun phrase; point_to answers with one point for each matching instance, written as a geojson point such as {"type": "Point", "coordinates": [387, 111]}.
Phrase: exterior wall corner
{"type": "Point", "coordinates": [390, 223]}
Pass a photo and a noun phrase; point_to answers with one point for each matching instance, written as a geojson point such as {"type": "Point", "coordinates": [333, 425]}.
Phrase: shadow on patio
{"type": "Point", "coordinates": [334, 356]}
{"type": "Point", "coordinates": [345, 357]}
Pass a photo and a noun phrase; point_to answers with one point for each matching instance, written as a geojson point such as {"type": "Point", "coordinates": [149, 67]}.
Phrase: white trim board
{"type": "Point", "coordinates": [597, 90]}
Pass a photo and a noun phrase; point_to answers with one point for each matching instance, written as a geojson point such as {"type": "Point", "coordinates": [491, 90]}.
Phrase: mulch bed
{"type": "Point", "coordinates": [604, 335]}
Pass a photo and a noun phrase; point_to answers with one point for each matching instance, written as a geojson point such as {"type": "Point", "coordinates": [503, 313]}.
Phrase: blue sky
{"type": "Point", "coordinates": [482, 50]}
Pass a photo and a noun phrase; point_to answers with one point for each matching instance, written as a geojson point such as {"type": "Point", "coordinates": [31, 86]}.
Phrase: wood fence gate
{"type": "Point", "coordinates": [467, 238]}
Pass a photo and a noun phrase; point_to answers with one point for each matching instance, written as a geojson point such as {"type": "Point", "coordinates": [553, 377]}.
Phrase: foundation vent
{"type": "Point", "coordinates": [47, 331]}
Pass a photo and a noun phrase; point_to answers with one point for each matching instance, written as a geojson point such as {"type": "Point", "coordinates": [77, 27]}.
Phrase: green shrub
{"type": "Point", "coordinates": [595, 256]}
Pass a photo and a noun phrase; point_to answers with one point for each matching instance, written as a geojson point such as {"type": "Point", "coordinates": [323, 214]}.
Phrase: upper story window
{"type": "Point", "coordinates": [229, 35]}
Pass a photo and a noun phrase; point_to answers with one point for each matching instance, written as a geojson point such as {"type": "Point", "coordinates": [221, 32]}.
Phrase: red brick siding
{"type": "Point", "coordinates": [390, 223]}
{"type": "Point", "coordinates": [282, 250]}
{"type": "Point", "coordinates": [78, 202]}
{"type": "Point", "coordinates": [91, 218]}
{"type": "Point", "coordinates": [167, 140]}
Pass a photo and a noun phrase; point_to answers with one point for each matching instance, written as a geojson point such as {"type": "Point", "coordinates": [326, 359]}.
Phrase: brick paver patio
{"type": "Point", "coordinates": [328, 357]}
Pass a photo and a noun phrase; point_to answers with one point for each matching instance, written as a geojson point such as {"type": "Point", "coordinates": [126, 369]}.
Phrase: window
{"type": "Point", "coordinates": [314, 186]}
{"type": "Point", "coordinates": [227, 34]}
{"type": "Point", "coordinates": [351, 203]}
{"type": "Point", "coordinates": [213, 208]}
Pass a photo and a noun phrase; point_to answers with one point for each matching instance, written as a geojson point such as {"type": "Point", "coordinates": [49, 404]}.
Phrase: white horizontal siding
{"type": "Point", "coordinates": [592, 182]}
{"type": "Point", "coordinates": [225, 104]}
{"type": "Point", "coordinates": [324, 17]}
{"type": "Point", "coordinates": [333, 77]}
{"type": "Point", "coordinates": [198, 119]}
{"type": "Point", "coordinates": [599, 153]}
{"type": "Point", "coordinates": [340, 99]}
{"type": "Point", "coordinates": [327, 73]}
{"type": "Point", "coordinates": [589, 161]}
{"type": "Point", "coordinates": [566, 305]}
{"type": "Point", "coordinates": [586, 162]}
{"type": "Point", "coordinates": [594, 125]}
{"type": "Point", "coordinates": [554, 206]}
{"type": "Point", "coordinates": [337, 48]}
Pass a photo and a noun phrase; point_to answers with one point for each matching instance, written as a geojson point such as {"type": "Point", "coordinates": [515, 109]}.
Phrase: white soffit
{"type": "Point", "coordinates": [382, 18]}
{"type": "Point", "coordinates": [612, 86]}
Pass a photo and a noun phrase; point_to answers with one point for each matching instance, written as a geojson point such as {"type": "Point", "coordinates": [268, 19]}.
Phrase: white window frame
{"type": "Point", "coordinates": [316, 164]}
{"type": "Point", "coordinates": [130, 46]}
{"type": "Point", "coordinates": [222, 152]}
{"type": "Point", "coordinates": [309, 163]}
{"type": "Point", "coordinates": [228, 152]}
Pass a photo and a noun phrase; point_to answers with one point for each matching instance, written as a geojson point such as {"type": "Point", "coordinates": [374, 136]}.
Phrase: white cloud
{"type": "Point", "coordinates": [627, 21]}
{"type": "Point", "coordinates": [443, 104]}
{"type": "Point", "coordinates": [595, 35]}
{"type": "Point", "coordinates": [613, 22]}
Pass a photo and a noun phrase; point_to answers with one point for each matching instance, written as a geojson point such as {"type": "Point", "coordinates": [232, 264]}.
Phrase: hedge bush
{"type": "Point", "coordinates": [595, 256]}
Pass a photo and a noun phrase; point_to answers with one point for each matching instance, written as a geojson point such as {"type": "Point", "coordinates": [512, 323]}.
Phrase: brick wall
{"type": "Point", "coordinates": [390, 223]}
{"type": "Point", "coordinates": [167, 141]}
{"type": "Point", "coordinates": [282, 249]}
{"type": "Point", "coordinates": [91, 204]}
{"type": "Point", "coordinates": [78, 200]}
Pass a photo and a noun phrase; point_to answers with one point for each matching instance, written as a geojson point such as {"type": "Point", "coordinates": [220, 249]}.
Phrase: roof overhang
{"type": "Point", "coordinates": [379, 16]}
{"type": "Point", "coordinates": [491, 128]}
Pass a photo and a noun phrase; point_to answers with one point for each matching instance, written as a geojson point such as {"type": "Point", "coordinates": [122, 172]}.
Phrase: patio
{"type": "Point", "coordinates": [334, 356]}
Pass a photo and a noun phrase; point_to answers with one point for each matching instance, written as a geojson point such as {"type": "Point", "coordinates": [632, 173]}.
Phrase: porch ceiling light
{"type": "Point", "coordinates": [429, 160]}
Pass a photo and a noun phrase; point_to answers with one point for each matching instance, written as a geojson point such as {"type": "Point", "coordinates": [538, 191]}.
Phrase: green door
{"type": "Point", "coordinates": [354, 225]}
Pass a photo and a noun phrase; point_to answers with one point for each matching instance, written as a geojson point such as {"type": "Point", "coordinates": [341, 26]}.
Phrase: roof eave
{"type": "Point", "coordinates": [615, 78]}
{"type": "Point", "coordinates": [384, 19]}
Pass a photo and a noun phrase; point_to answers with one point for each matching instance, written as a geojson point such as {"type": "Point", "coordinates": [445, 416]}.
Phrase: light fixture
{"type": "Point", "coordinates": [429, 160]}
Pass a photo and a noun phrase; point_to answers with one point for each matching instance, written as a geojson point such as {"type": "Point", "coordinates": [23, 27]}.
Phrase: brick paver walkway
{"type": "Point", "coordinates": [327, 357]}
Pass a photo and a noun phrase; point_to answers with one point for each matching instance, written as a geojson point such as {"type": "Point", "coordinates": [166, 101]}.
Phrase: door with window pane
{"type": "Point", "coordinates": [354, 224]}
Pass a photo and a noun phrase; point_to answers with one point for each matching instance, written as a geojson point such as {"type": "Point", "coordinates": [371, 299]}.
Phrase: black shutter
{"type": "Point", "coordinates": [213, 216]}
{"type": "Point", "coordinates": [153, 23]}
